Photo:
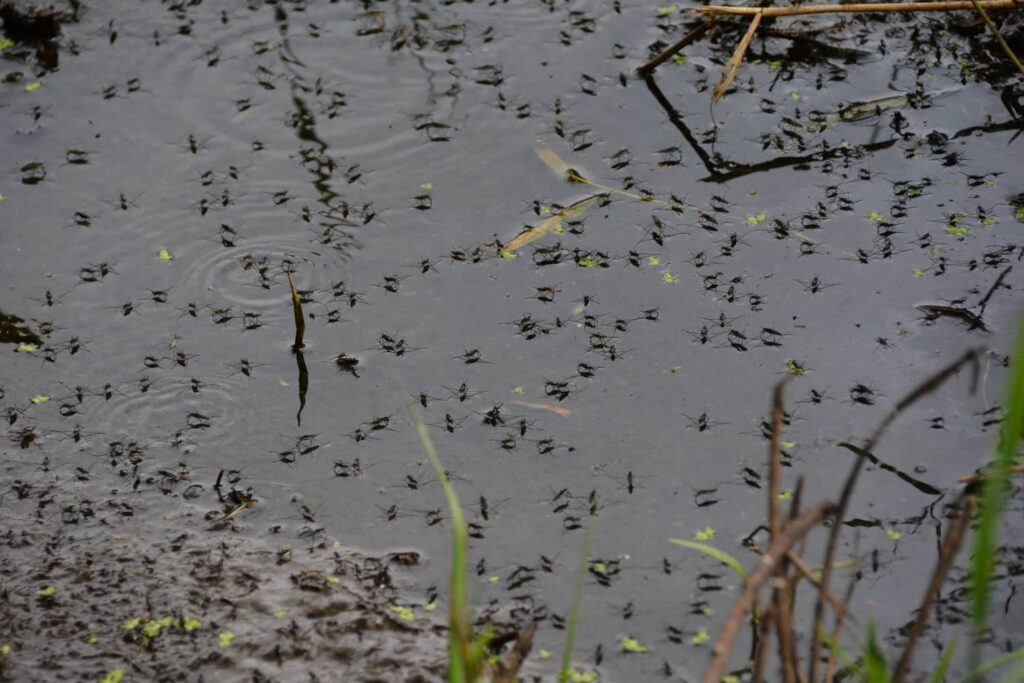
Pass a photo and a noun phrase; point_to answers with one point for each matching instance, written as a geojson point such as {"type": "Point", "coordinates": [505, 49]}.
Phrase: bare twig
{"type": "Point", "coordinates": [923, 389]}
{"type": "Point", "coordinates": [784, 588]}
{"type": "Point", "coordinates": [946, 556]}
{"type": "Point", "coordinates": [763, 641]}
{"type": "Point", "coordinates": [669, 52]}
{"type": "Point", "coordinates": [837, 603]}
{"type": "Point", "coordinates": [734, 62]}
{"type": "Point", "coordinates": [792, 533]}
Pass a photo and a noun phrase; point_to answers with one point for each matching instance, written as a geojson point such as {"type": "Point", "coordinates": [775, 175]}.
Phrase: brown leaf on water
{"type": "Point", "coordinates": [552, 222]}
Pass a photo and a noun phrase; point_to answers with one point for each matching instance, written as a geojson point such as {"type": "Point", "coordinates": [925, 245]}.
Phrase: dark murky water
{"type": "Point", "coordinates": [177, 158]}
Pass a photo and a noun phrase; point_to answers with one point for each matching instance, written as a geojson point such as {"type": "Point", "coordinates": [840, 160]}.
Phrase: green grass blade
{"type": "Point", "coordinates": [993, 494]}
{"type": "Point", "coordinates": [577, 603]}
{"type": "Point", "coordinates": [459, 639]}
{"type": "Point", "coordinates": [720, 555]}
{"type": "Point", "coordinates": [876, 670]}
{"type": "Point", "coordinates": [1015, 656]}
{"type": "Point", "coordinates": [939, 675]}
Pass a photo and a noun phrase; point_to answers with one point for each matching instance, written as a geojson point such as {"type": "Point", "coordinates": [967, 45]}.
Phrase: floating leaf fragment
{"type": "Point", "coordinates": [700, 637]}
{"type": "Point", "coordinates": [113, 676]}
{"type": "Point", "coordinates": [654, 260]}
{"type": "Point", "coordinates": [705, 534]}
{"type": "Point", "coordinates": [554, 221]}
{"type": "Point", "coordinates": [956, 230]}
{"type": "Point", "coordinates": [33, 86]}
{"type": "Point", "coordinates": [402, 612]}
{"type": "Point", "coordinates": [225, 638]}
{"type": "Point", "coordinates": [543, 654]}
{"type": "Point", "coordinates": [40, 398]}
{"type": "Point", "coordinates": [46, 592]}
{"type": "Point", "coordinates": [667, 9]}
{"type": "Point", "coordinates": [165, 255]}
{"type": "Point", "coordinates": [893, 534]}
{"type": "Point", "coordinates": [27, 348]}
{"type": "Point", "coordinates": [757, 219]}
{"type": "Point", "coordinates": [875, 216]}
{"type": "Point", "coordinates": [427, 186]}
{"type": "Point", "coordinates": [581, 676]}
{"type": "Point", "coordinates": [5, 649]}
{"type": "Point", "coordinates": [190, 624]}
{"type": "Point", "coordinates": [632, 645]}
{"type": "Point", "coordinates": [5, 43]}
{"type": "Point", "coordinates": [131, 624]}
{"type": "Point", "coordinates": [669, 277]}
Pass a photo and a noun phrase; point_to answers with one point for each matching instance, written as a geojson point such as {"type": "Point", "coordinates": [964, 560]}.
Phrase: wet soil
{"type": "Point", "coordinates": [185, 498]}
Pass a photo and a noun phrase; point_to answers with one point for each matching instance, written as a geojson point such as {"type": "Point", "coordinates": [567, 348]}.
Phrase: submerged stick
{"type": "Point", "coordinates": [942, 6]}
{"type": "Point", "coordinates": [669, 52]}
{"type": "Point", "coordinates": [737, 58]}
{"type": "Point", "coordinates": [300, 319]}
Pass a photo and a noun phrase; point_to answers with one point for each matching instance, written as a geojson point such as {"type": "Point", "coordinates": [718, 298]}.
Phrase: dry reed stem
{"type": "Point", "coordinates": [950, 547]}
{"type": "Point", "coordinates": [734, 62]}
{"type": "Point", "coordinates": [793, 532]}
{"type": "Point", "coordinates": [926, 387]}
{"type": "Point", "coordinates": [942, 6]}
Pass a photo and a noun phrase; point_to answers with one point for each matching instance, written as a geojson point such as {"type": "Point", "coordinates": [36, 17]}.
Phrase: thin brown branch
{"type": "Point", "coordinates": [784, 622]}
{"type": "Point", "coordinates": [837, 603]}
{"type": "Point", "coordinates": [669, 52]}
{"type": "Point", "coordinates": [734, 62]}
{"type": "Point", "coordinates": [791, 11]}
{"type": "Point", "coordinates": [792, 533]}
{"type": "Point", "coordinates": [782, 595]}
{"type": "Point", "coordinates": [837, 632]}
{"type": "Point", "coordinates": [950, 547]}
{"type": "Point", "coordinates": [763, 641]}
{"type": "Point", "coordinates": [926, 387]}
